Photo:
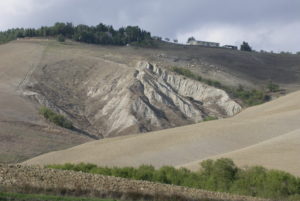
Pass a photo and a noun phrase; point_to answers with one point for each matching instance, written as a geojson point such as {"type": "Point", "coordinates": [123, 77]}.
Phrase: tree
{"type": "Point", "coordinates": [246, 47]}
{"type": "Point", "coordinates": [190, 39]}
{"type": "Point", "coordinates": [175, 41]}
{"type": "Point", "coordinates": [100, 34]}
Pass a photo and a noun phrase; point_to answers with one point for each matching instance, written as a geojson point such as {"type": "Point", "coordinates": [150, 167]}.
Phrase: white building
{"type": "Point", "coordinates": [204, 43]}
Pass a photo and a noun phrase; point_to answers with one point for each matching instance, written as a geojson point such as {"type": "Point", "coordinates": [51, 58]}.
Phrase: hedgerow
{"type": "Point", "coordinates": [219, 175]}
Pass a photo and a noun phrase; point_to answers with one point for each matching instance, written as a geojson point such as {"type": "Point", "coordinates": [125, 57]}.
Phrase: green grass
{"type": "Point", "coordinates": [36, 197]}
{"type": "Point", "coordinates": [58, 119]}
{"type": "Point", "coordinates": [221, 175]}
{"type": "Point", "coordinates": [248, 97]}
{"type": "Point", "coordinates": [210, 118]}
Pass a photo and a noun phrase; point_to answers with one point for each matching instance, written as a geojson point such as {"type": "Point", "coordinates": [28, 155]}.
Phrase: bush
{"type": "Point", "coordinates": [61, 38]}
{"type": "Point", "coordinates": [272, 87]}
{"type": "Point", "coordinates": [210, 118]}
{"type": "Point", "coordinates": [219, 175]}
{"type": "Point", "coordinates": [58, 119]}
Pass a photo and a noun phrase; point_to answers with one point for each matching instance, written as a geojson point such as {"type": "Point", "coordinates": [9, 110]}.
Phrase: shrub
{"type": "Point", "coordinates": [272, 87]}
{"type": "Point", "coordinates": [210, 118]}
{"type": "Point", "coordinates": [145, 172]}
{"type": "Point", "coordinates": [61, 38]}
{"type": "Point", "coordinates": [219, 175]}
{"type": "Point", "coordinates": [58, 119]}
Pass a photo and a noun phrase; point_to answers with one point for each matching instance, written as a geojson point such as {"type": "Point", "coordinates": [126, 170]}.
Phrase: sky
{"type": "Point", "coordinates": [272, 25]}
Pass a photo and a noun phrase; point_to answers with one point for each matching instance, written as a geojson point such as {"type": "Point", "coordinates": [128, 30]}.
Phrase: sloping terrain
{"type": "Point", "coordinates": [57, 182]}
{"type": "Point", "coordinates": [280, 152]}
{"type": "Point", "coordinates": [109, 91]}
{"type": "Point", "coordinates": [23, 133]}
{"type": "Point", "coordinates": [182, 146]}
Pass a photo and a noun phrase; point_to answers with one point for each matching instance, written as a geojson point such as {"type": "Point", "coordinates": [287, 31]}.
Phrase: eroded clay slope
{"type": "Point", "coordinates": [106, 97]}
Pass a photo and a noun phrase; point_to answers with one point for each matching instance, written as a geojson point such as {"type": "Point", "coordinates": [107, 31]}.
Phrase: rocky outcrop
{"type": "Point", "coordinates": [117, 99]}
{"type": "Point", "coordinates": [154, 98]}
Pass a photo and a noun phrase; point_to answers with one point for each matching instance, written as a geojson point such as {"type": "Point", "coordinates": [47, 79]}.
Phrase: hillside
{"type": "Point", "coordinates": [23, 133]}
{"type": "Point", "coordinates": [108, 91]}
{"type": "Point", "coordinates": [253, 134]}
{"type": "Point", "coordinates": [57, 182]}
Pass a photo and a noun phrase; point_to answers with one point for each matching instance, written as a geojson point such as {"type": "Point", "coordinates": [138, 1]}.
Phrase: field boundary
{"type": "Point", "coordinates": [26, 179]}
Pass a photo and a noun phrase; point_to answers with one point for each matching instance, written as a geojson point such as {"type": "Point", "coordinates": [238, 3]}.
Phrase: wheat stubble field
{"type": "Point", "coordinates": [262, 135]}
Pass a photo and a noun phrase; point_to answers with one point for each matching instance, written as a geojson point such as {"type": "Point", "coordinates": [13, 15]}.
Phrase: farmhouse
{"type": "Point", "coordinates": [203, 43]}
{"type": "Point", "coordinates": [230, 47]}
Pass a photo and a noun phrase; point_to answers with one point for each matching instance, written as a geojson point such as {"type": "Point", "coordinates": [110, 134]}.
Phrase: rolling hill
{"type": "Point", "coordinates": [262, 135]}
{"type": "Point", "coordinates": [109, 91]}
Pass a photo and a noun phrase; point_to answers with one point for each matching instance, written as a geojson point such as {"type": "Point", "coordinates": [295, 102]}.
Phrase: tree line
{"type": "Point", "coordinates": [100, 34]}
{"type": "Point", "coordinates": [219, 175]}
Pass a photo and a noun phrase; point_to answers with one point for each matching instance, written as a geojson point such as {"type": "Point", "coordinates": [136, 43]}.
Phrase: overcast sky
{"type": "Point", "coordinates": [265, 24]}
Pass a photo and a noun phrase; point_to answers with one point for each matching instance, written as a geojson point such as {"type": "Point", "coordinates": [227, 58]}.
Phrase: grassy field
{"type": "Point", "coordinates": [36, 197]}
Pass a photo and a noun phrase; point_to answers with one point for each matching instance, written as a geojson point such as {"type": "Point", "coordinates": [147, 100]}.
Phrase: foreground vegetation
{"type": "Point", "coordinates": [33, 197]}
{"type": "Point", "coordinates": [249, 97]}
{"type": "Point", "coordinates": [100, 34]}
{"type": "Point", "coordinates": [220, 175]}
{"type": "Point", "coordinates": [58, 119]}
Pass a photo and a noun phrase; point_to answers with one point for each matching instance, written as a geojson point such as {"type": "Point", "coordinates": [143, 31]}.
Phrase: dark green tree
{"type": "Point", "coordinates": [245, 47]}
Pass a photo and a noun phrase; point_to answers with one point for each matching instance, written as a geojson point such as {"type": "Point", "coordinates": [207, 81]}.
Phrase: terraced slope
{"type": "Point", "coordinates": [262, 128]}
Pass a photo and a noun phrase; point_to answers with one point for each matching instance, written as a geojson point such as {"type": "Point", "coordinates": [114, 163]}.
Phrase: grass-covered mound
{"type": "Point", "coordinates": [220, 175]}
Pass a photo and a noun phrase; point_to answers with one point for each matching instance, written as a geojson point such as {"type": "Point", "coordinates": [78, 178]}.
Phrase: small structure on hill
{"type": "Point", "coordinates": [192, 41]}
{"type": "Point", "coordinates": [230, 47]}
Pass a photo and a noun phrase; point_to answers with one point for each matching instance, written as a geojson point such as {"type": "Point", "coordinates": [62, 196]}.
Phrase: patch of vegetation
{"type": "Point", "coordinates": [245, 47]}
{"type": "Point", "coordinates": [248, 97]}
{"type": "Point", "coordinates": [35, 197]}
{"type": "Point", "coordinates": [58, 119]}
{"type": "Point", "coordinates": [273, 87]}
{"type": "Point", "coordinates": [100, 34]}
{"type": "Point", "coordinates": [61, 38]}
{"type": "Point", "coordinates": [210, 118]}
{"type": "Point", "coordinates": [220, 175]}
